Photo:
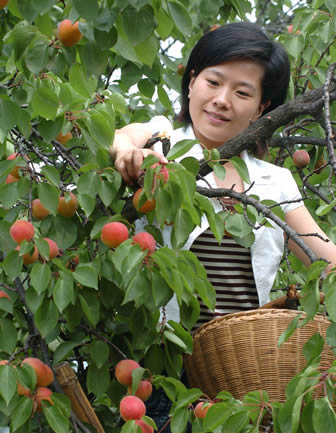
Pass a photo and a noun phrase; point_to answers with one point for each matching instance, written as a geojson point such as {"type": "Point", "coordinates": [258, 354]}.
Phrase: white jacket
{"type": "Point", "coordinates": [270, 182]}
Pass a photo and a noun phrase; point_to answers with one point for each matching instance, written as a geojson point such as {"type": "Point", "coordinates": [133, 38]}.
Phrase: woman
{"type": "Point", "coordinates": [233, 76]}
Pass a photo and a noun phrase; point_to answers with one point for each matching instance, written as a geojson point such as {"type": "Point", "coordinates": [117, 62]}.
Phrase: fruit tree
{"type": "Point", "coordinates": [77, 283]}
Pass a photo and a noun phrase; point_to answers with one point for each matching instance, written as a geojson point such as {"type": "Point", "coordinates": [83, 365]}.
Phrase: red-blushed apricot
{"type": "Point", "coordinates": [3, 294]}
{"type": "Point", "coordinates": [113, 234]}
{"type": "Point", "coordinates": [42, 394]}
{"type": "Point", "coordinates": [28, 258]}
{"type": "Point", "coordinates": [145, 428]}
{"type": "Point", "coordinates": [11, 179]}
{"type": "Point", "coordinates": [131, 407]}
{"type": "Point", "coordinates": [202, 408]}
{"type": "Point", "coordinates": [44, 374]}
{"type": "Point", "coordinates": [21, 390]}
{"type": "Point", "coordinates": [15, 171]}
{"type": "Point", "coordinates": [53, 248]}
{"type": "Point", "coordinates": [123, 371]}
{"type": "Point", "coordinates": [148, 206]}
{"type": "Point", "coordinates": [163, 173]}
{"type": "Point", "coordinates": [301, 158]}
{"type": "Point", "coordinates": [64, 138]}
{"type": "Point", "coordinates": [319, 164]}
{"type": "Point", "coordinates": [68, 33]}
{"type": "Point", "coordinates": [67, 207]}
{"type": "Point", "coordinates": [143, 391]}
{"type": "Point", "coordinates": [146, 241]}
{"type": "Point", "coordinates": [22, 230]}
{"type": "Point", "coordinates": [290, 28]}
{"type": "Point", "coordinates": [38, 210]}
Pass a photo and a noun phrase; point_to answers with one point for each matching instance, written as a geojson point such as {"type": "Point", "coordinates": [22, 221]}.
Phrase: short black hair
{"type": "Point", "coordinates": [242, 40]}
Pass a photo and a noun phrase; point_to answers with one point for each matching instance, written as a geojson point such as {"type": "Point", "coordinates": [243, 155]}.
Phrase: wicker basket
{"type": "Point", "coordinates": [239, 353]}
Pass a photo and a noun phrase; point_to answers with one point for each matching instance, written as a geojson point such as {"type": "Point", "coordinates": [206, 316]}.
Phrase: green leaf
{"type": "Point", "coordinates": [21, 413]}
{"type": "Point", "coordinates": [164, 98]}
{"type": "Point", "coordinates": [45, 103]}
{"type": "Point", "coordinates": [64, 350]}
{"type": "Point", "coordinates": [99, 352]}
{"type": "Point", "coordinates": [88, 9]}
{"type": "Point", "coordinates": [12, 265]}
{"type": "Point", "coordinates": [180, 16]}
{"type": "Point", "coordinates": [183, 335]}
{"type": "Point", "coordinates": [313, 347]}
{"type": "Point", "coordinates": [9, 113]}
{"type": "Point", "coordinates": [37, 55]}
{"type": "Point", "coordinates": [8, 382]}
{"type": "Point", "coordinates": [87, 203]}
{"type": "Point", "coordinates": [180, 148]}
{"type": "Point", "coordinates": [80, 82]}
{"type": "Point", "coordinates": [179, 420]}
{"type": "Point", "coordinates": [138, 25]}
{"type": "Point", "coordinates": [325, 208]}
{"type": "Point", "coordinates": [216, 416]}
{"type": "Point", "coordinates": [237, 225]}
{"type": "Point", "coordinates": [290, 329]}
{"type": "Point", "coordinates": [46, 317]}
{"type": "Point", "coordinates": [187, 397]}
{"type": "Point", "coordinates": [241, 167]}
{"type": "Point", "coordinates": [52, 174]}
{"type": "Point", "coordinates": [93, 58]}
{"type": "Point", "coordinates": [63, 291]}
{"type": "Point", "coordinates": [40, 277]}
{"type": "Point", "coordinates": [91, 307]}
{"type": "Point", "coordinates": [175, 340]}
{"type": "Point", "coordinates": [56, 420]}
{"type": "Point", "coordinates": [98, 379]}
{"type": "Point", "coordinates": [86, 274]}
{"type": "Point", "coordinates": [49, 196]}
{"type": "Point", "coordinates": [324, 418]}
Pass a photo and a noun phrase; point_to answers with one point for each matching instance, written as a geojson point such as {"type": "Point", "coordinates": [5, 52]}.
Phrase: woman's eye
{"type": "Point", "coordinates": [213, 82]}
{"type": "Point", "coordinates": [240, 92]}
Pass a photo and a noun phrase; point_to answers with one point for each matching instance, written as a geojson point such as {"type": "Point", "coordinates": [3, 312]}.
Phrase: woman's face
{"type": "Point", "coordinates": [224, 99]}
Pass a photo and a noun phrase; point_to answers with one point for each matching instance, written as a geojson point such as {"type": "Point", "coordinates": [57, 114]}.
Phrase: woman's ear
{"type": "Point", "coordinates": [264, 106]}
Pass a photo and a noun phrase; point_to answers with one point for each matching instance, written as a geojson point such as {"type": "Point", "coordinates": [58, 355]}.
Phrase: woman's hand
{"type": "Point", "coordinates": [128, 153]}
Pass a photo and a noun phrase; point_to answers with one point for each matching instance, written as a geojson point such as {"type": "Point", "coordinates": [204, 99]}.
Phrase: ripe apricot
{"type": "Point", "coordinates": [64, 138]}
{"type": "Point", "coordinates": [11, 179]}
{"type": "Point", "coordinates": [28, 258]}
{"type": "Point", "coordinates": [38, 210]}
{"type": "Point", "coordinates": [145, 428]}
{"type": "Point", "coordinates": [202, 408]}
{"type": "Point", "coordinates": [53, 248]}
{"type": "Point", "coordinates": [123, 371]}
{"type": "Point", "coordinates": [146, 241]}
{"type": "Point", "coordinates": [144, 390]}
{"type": "Point", "coordinates": [67, 207]}
{"type": "Point", "coordinates": [163, 173]}
{"type": "Point", "coordinates": [68, 33]}
{"type": "Point", "coordinates": [3, 294]}
{"type": "Point", "coordinates": [301, 158]}
{"type": "Point", "coordinates": [44, 374]}
{"type": "Point", "coordinates": [131, 407]}
{"type": "Point", "coordinates": [22, 230]}
{"type": "Point", "coordinates": [42, 394]}
{"type": "Point", "coordinates": [15, 171]}
{"type": "Point", "coordinates": [3, 3]}
{"type": "Point", "coordinates": [148, 206]}
{"type": "Point", "coordinates": [113, 234]}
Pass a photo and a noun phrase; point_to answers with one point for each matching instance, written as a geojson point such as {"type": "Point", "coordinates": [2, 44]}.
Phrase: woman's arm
{"type": "Point", "coordinates": [302, 222]}
{"type": "Point", "coordinates": [127, 150]}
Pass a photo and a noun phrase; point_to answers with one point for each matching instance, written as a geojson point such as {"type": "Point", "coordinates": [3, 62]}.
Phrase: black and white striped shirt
{"type": "Point", "coordinates": [229, 270]}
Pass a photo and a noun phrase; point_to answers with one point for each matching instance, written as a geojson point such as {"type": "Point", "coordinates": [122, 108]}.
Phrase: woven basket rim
{"type": "Point", "coordinates": [252, 315]}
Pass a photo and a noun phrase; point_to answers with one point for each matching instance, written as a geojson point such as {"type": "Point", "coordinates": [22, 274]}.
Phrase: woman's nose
{"type": "Point", "coordinates": [223, 98]}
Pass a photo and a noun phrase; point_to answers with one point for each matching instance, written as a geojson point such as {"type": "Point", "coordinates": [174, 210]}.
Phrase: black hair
{"type": "Point", "coordinates": [241, 40]}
